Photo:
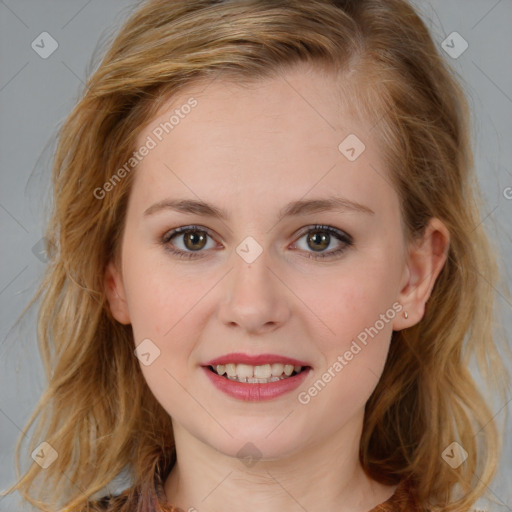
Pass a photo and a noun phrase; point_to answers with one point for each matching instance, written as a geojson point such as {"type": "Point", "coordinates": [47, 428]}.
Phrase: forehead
{"type": "Point", "coordinates": [301, 100]}
{"type": "Point", "coordinates": [289, 134]}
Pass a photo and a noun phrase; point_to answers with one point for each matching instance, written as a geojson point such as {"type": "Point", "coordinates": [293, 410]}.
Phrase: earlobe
{"type": "Point", "coordinates": [115, 294]}
{"type": "Point", "coordinates": [425, 260]}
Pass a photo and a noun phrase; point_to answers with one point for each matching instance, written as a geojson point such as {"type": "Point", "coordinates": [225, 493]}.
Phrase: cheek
{"type": "Point", "coordinates": [358, 310]}
{"type": "Point", "coordinates": [163, 309]}
{"type": "Point", "coordinates": [349, 299]}
{"type": "Point", "coordinates": [355, 306]}
{"type": "Point", "coordinates": [152, 305]}
{"type": "Point", "coordinates": [158, 293]}
{"type": "Point", "coordinates": [166, 305]}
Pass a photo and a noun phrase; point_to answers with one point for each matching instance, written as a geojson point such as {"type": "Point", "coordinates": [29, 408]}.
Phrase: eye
{"type": "Point", "coordinates": [194, 239]}
{"type": "Point", "coordinates": [320, 237]}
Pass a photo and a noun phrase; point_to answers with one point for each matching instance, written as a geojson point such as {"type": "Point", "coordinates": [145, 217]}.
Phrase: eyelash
{"type": "Point", "coordinates": [343, 237]}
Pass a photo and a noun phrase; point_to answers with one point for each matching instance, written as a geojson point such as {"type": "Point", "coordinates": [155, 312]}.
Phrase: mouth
{"type": "Point", "coordinates": [256, 378]}
{"type": "Point", "coordinates": [260, 374]}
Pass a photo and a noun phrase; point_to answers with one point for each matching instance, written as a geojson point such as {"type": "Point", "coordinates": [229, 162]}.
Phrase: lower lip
{"type": "Point", "coordinates": [256, 392]}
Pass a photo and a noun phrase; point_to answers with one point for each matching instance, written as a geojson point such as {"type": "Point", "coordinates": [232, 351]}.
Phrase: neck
{"type": "Point", "coordinates": [327, 476]}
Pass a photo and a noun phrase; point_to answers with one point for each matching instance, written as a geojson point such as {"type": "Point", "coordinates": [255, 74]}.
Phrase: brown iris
{"type": "Point", "coordinates": [194, 240]}
{"type": "Point", "coordinates": [319, 242]}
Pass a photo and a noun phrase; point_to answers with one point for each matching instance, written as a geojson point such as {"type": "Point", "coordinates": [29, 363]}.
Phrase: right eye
{"type": "Point", "coordinates": [194, 239]}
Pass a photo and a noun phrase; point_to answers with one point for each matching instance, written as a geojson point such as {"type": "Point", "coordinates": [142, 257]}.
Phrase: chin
{"type": "Point", "coordinates": [257, 440]}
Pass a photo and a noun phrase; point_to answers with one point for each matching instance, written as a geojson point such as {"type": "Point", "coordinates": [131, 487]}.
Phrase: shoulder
{"type": "Point", "coordinates": [146, 495]}
{"type": "Point", "coordinates": [404, 499]}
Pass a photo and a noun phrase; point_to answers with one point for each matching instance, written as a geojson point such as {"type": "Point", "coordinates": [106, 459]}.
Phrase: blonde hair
{"type": "Point", "coordinates": [97, 411]}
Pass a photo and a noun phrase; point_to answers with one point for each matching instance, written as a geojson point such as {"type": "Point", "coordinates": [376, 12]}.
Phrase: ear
{"type": "Point", "coordinates": [115, 293]}
{"type": "Point", "coordinates": [425, 260]}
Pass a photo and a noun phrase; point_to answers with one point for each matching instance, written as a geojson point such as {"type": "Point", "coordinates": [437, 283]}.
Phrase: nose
{"type": "Point", "coordinates": [255, 299]}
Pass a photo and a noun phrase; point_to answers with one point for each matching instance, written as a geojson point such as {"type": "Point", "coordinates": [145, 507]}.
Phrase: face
{"type": "Point", "coordinates": [269, 281]}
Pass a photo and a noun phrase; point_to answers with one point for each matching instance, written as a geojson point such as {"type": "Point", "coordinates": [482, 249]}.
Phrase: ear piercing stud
{"type": "Point", "coordinates": [406, 315]}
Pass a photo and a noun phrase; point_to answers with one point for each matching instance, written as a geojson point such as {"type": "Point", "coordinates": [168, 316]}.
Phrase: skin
{"type": "Point", "coordinates": [251, 150]}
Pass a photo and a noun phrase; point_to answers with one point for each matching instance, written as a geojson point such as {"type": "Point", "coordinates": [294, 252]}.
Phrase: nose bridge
{"type": "Point", "coordinates": [253, 296]}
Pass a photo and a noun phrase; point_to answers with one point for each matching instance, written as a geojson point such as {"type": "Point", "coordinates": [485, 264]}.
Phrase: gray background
{"type": "Point", "coordinates": [36, 94]}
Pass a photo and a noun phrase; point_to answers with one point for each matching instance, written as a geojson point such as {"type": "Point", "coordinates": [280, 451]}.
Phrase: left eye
{"type": "Point", "coordinates": [320, 237]}
{"type": "Point", "coordinates": [194, 239]}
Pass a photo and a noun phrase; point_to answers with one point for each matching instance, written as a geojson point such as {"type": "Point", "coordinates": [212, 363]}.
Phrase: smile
{"type": "Point", "coordinates": [260, 374]}
{"type": "Point", "coordinates": [256, 378]}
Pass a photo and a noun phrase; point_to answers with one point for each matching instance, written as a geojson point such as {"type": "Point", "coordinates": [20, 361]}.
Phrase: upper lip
{"type": "Point", "coordinates": [260, 359]}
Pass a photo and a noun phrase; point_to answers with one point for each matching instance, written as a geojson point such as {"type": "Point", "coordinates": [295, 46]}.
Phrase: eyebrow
{"type": "Point", "coordinates": [295, 208]}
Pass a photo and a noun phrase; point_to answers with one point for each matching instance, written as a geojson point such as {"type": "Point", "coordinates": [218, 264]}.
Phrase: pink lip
{"type": "Point", "coordinates": [236, 358]}
{"type": "Point", "coordinates": [256, 392]}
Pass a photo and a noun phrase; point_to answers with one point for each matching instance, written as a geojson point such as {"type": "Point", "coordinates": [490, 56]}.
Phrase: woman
{"type": "Point", "coordinates": [264, 283]}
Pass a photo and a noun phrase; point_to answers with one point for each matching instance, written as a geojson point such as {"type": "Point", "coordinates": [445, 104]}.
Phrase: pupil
{"type": "Point", "coordinates": [195, 239]}
{"type": "Point", "coordinates": [319, 241]}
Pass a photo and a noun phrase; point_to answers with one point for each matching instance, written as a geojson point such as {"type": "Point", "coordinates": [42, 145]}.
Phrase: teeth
{"type": "Point", "coordinates": [277, 369]}
{"type": "Point", "coordinates": [231, 370]}
{"type": "Point", "coordinates": [243, 371]}
{"type": "Point", "coordinates": [263, 372]}
{"type": "Point", "coordinates": [256, 374]}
